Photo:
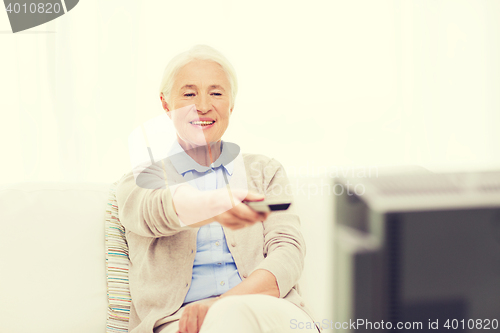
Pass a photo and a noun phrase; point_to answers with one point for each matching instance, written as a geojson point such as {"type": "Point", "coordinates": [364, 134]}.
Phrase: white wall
{"type": "Point", "coordinates": [323, 84]}
{"type": "Point", "coordinates": [327, 83]}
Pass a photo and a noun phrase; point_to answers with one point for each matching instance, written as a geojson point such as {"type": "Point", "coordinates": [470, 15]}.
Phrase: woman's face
{"type": "Point", "coordinates": [199, 104]}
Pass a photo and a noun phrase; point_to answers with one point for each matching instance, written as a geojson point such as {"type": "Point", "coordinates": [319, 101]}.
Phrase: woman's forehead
{"type": "Point", "coordinates": [201, 72]}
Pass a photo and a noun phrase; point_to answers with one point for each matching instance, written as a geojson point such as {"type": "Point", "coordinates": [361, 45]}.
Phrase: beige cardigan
{"type": "Point", "coordinates": [162, 252]}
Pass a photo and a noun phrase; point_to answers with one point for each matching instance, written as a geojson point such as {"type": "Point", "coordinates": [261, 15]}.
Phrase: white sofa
{"type": "Point", "coordinates": [52, 254]}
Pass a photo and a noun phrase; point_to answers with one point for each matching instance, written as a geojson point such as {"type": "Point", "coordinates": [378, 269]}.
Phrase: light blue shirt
{"type": "Point", "coordinates": [214, 270]}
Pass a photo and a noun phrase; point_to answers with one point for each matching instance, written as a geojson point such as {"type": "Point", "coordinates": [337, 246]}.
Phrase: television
{"type": "Point", "coordinates": [417, 252]}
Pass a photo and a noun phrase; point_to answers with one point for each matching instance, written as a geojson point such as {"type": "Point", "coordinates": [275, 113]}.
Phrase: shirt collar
{"type": "Point", "coordinates": [184, 163]}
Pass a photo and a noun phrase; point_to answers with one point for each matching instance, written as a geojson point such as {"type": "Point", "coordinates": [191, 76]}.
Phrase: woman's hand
{"type": "Point", "coordinates": [194, 314]}
{"type": "Point", "coordinates": [241, 215]}
{"type": "Point", "coordinates": [196, 208]}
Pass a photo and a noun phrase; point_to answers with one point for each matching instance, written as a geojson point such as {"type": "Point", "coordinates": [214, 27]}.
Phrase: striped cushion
{"type": "Point", "coordinates": [117, 261]}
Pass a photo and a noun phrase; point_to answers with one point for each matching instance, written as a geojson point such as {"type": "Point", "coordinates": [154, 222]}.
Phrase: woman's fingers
{"type": "Point", "coordinates": [189, 319]}
{"type": "Point", "coordinates": [193, 316]}
{"type": "Point", "coordinates": [202, 312]}
{"type": "Point", "coordinates": [240, 216]}
{"type": "Point", "coordinates": [254, 196]}
{"type": "Point", "coordinates": [192, 322]}
{"type": "Point", "coordinates": [246, 213]}
{"type": "Point", "coordinates": [182, 321]}
{"type": "Point", "coordinates": [264, 215]}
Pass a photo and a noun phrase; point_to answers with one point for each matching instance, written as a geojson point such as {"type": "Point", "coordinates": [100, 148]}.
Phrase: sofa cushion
{"type": "Point", "coordinates": [117, 262]}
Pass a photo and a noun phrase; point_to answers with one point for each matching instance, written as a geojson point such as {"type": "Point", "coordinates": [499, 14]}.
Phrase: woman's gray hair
{"type": "Point", "coordinates": [198, 52]}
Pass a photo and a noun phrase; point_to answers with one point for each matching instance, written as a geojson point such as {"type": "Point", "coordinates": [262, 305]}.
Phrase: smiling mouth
{"type": "Point", "coordinates": [202, 123]}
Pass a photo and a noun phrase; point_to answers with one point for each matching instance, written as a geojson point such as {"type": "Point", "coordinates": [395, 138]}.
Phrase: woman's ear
{"type": "Point", "coordinates": [164, 103]}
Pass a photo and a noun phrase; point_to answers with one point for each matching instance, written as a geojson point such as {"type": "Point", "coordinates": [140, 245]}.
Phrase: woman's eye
{"type": "Point", "coordinates": [189, 94]}
{"type": "Point", "coordinates": [217, 94]}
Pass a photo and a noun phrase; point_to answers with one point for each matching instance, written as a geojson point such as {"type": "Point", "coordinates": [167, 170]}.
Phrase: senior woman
{"type": "Point", "coordinates": [200, 259]}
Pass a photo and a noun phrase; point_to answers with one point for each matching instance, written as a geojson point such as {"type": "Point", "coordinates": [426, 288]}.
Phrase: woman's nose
{"type": "Point", "coordinates": [203, 104]}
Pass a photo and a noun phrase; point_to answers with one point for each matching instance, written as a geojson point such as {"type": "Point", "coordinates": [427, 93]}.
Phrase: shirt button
{"type": "Point", "coordinates": [222, 283]}
{"type": "Point", "coordinates": [244, 276]}
{"type": "Point", "coordinates": [233, 244]}
{"type": "Point", "coordinates": [187, 284]}
{"type": "Point", "coordinates": [217, 243]}
{"type": "Point", "coordinates": [302, 304]}
{"type": "Point", "coordinates": [219, 263]}
{"type": "Point", "coordinates": [192, 251]}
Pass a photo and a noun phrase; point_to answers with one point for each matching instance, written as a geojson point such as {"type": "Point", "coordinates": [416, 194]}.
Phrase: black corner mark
{"type": "Point", "coordinates": [70, 4]}
{"type": "Point", "coordinates": [25, 15]}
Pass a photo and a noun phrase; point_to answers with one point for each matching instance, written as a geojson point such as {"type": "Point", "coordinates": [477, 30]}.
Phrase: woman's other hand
{"type": "Point", "coordinates": [194, 314]}
{"type": "Point", "coordinates": [196, 208]}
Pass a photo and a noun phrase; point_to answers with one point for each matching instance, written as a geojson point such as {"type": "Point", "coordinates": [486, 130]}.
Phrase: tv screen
{"type": "Point", "coordinates": [418, 252]}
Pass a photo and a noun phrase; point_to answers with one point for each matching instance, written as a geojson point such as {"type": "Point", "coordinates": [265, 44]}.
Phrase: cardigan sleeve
{"type": "Point", "coordinates": [284, 246]}
{"type": "Point", "coordinates": [145, 205]}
